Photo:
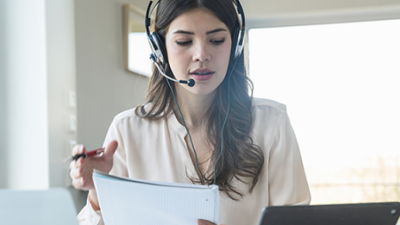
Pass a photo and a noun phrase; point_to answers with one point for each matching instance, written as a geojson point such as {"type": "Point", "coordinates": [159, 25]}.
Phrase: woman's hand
{"type": "Point", "coordinates": [82, 169]}
{"type": "Point", "coordinates": [205, 222]}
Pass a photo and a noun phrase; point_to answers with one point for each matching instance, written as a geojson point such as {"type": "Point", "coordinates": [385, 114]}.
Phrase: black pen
{"type": "Point", "coordinates": [98, 152]}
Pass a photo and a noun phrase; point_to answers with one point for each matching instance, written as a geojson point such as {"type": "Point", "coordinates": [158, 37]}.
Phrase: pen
{"type": "Point", "coordinates": [91, 153]}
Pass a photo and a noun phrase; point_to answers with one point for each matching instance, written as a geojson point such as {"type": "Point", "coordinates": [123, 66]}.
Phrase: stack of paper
{"type": "Point", "coordinates": [131, 201]}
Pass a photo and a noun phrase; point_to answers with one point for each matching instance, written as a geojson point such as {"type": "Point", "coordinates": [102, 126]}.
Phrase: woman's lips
{"type": "Point", "coordinates": [202, 74]}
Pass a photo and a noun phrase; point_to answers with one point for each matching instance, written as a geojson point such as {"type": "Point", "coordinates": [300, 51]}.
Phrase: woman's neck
{"type": "Point", "coordinates": [193, 107]}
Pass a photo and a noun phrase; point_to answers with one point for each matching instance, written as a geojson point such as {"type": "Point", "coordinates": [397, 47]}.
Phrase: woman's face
{"type": "Point", "coordinates": [198, 47]}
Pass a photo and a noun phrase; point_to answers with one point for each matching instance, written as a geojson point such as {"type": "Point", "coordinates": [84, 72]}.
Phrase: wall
{"type": "Point", "coordinates": [3, 118]}
{"type": "Point", "coordinates": [104, 87]}
{"type": "Point", "coordinates": [37, 70]}
{"type": "Point", "coordinates": [61, 86]}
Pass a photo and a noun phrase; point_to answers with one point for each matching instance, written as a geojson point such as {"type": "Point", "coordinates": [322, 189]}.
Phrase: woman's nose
{"type": "Point", "coordinates": [201, 53]}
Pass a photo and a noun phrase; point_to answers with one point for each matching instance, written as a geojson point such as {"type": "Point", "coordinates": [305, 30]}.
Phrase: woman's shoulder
{"type": "Point", "coordinates": [262, 104]}
{"type": "Point", "coordinates": [126, 119]}
{"type": "Point", "coordinates": [135, 115]}
{"type": "Point", "coordinates": [126, 114]}
{"type": "Point", "coordinates": [269, 115]}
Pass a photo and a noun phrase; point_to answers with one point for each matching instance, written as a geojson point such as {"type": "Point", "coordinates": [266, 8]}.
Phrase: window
{"type": "Point", "coordinates": [341, 85]}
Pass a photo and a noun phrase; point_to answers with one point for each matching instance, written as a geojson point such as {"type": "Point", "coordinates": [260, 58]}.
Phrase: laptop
{"type": "Point", "coordinates": [384, 213]}
{"type": "Point", "coordinates": [41, 207]}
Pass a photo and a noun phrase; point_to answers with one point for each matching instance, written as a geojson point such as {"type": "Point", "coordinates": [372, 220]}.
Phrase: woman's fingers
{"type": "Point", "coordinates": [82, 168]}
{"type": "Point", "coordinates": [76, 172]}
{"type": "Point", "coordinates": [79, 162]}
{"type": "Point", "coordinates": [78, 149]}
{"type": "Point", "coordinates": [77, 183]}
{"type": "Point", "coordinates": [80, 180]}
{"type": "Point", "coordinates": [78, 168]}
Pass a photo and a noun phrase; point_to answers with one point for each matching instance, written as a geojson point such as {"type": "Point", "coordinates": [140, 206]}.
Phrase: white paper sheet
{"type": "Point", "coordinates": [130, 201]}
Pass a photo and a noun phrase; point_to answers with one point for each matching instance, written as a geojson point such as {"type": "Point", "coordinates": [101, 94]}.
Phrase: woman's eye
{"type": "Point", "coordinates": [183, 43]}
{"type": "Point", "coordinates": [218, 42]}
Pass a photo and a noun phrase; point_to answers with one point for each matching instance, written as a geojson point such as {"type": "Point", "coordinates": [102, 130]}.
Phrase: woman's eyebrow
{"type": "Point", "coordinates": [216, 30]}
{"type": "Point", "coordinates": [183, 32]}
{"type": "Point", "coordinates": [192, 33]}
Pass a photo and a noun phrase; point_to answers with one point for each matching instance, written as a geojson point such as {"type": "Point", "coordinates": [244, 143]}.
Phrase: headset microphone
{"type": "Point", "coordinates": [189, 82]}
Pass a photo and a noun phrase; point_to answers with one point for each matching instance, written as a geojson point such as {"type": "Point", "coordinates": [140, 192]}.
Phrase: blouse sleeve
{"type": "Point", "coordinates": [89, 216]}
{"type": "Point", "coordinates": [287, 180]}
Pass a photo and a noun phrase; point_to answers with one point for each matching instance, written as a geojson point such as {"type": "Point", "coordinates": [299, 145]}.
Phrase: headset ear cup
{"type": "Point", "coordinates": [159, 48]}
{"type": "Point", "coordinates": [235, 44]}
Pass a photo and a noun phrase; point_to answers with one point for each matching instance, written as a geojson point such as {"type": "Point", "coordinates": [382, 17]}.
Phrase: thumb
{"type": "Point", "coordinates": [110, 149]}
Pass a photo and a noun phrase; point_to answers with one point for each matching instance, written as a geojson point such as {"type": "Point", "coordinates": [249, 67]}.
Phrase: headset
{"type": "Point", "coordinates": [159, 58]}
{"type": "Point", "coordinates": [159, 51]}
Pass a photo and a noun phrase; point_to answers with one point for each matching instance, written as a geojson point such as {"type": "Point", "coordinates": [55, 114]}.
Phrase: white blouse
{"type": "Point", "coordinates": [156, 150]}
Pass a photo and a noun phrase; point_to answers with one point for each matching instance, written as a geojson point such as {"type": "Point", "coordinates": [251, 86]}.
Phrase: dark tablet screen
{"type": "Point", "coordinates": [385, 213]}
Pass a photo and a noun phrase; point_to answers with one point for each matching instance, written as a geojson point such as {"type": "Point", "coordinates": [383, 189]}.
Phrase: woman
{"type": "Point", "coordinates": [214, 133]}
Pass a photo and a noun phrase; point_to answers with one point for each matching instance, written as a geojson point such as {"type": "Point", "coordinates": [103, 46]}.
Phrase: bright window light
{"type": "Point", "coordinates": [139, 54]}
{"type": "Point", "coordinates": [341, 86]}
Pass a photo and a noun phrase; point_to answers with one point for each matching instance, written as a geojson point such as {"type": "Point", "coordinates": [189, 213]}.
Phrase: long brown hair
{"type": "Point", "coordinates": [241, 158]}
